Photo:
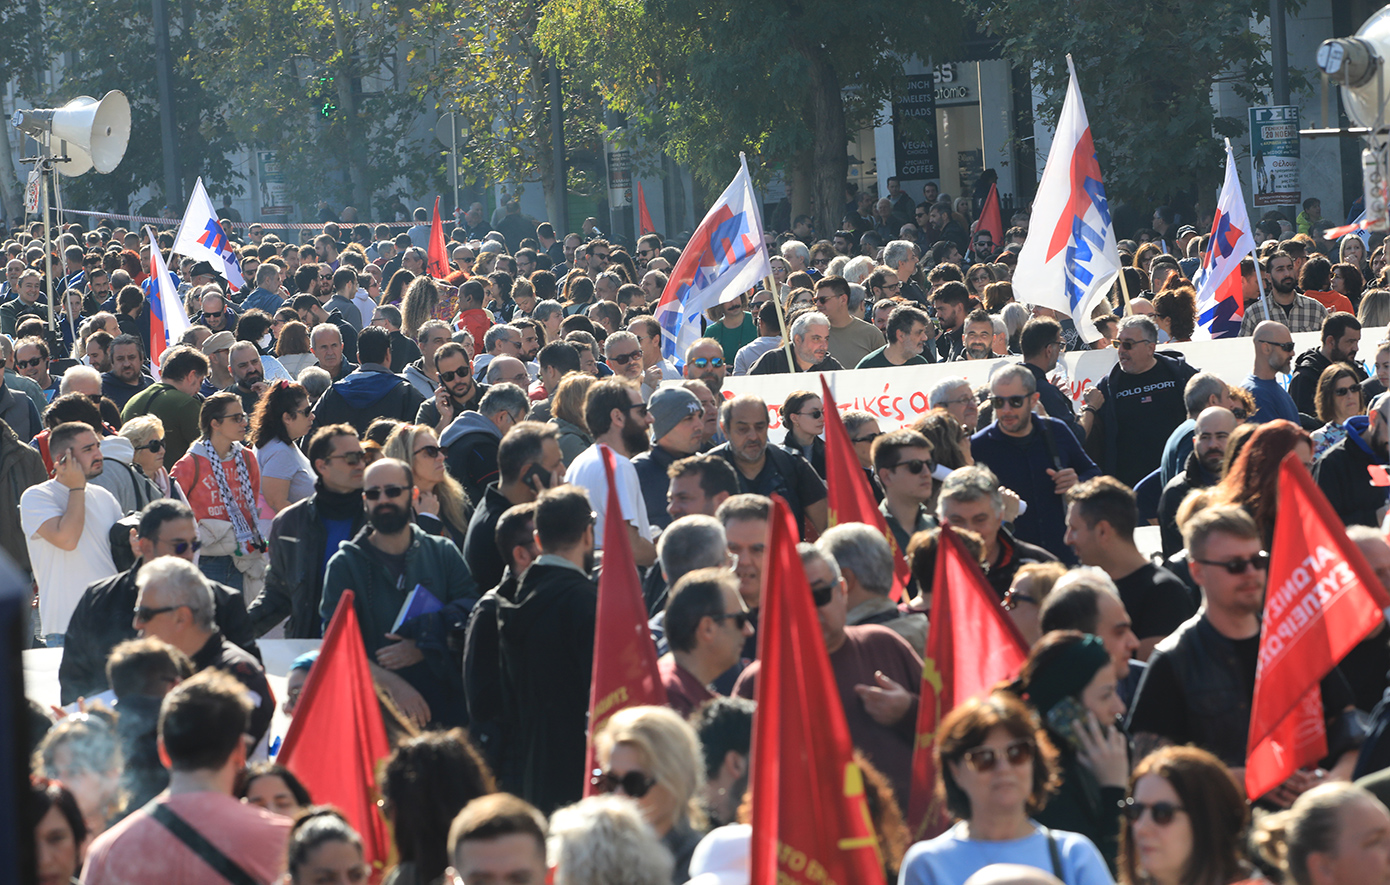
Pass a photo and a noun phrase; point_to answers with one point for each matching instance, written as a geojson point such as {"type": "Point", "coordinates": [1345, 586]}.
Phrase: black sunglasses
{"type": "Point", "coordinates": [1344, 391]}
{"type": "Point", "coordinates": [211, 313]}
{"type": "Point", "coordinates": [154, 445]}
{"type": "Point", "coordinates": [1130, 344]}
{"type": "Point", "coordinates": [704, 362]}
{"type": "Point", "coordinates": [24, 364]}
{"type": "Point", "coordinates": [428, 452]}
{"type": "Point", "coordinates": [375, 493]}
{"type": "Point", "coordinates": [1238, 565]}
{"type": "Point", "coordinates": [740, 619]}
{"type": "Point", "coordinates": [1286, 346]}
{"type": "Point", "coordinates": [446, 377]}
{"type": "Point", "coordinates": [822, 594]}
{"type": "Point", "coordinates": [868, 439]}
{"type": "Point", "coordinates": [1163, 812]}
{"type": "Point", "coordinates": [915, 466]}
{"type": "Point", "coordinates": [635, 783]}
{"type": "Point", "coordinates": [814, 414]}
{"type": "Point", "coordinates": [1013, 402]}
{"type": "Point", "coordinates": [144, 614]}
{"type": "Point", "coordinates": [623, 359]}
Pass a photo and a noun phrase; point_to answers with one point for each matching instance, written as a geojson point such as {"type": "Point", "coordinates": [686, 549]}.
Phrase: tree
{"type": "Point", "coordinates": [20, 42]}
{"type": "Point", "coordinates": [785, 81]}
{"type": "Point", "coordinates": [1147, 75]}
{"type": "Point", "coordinates": [493, 74]}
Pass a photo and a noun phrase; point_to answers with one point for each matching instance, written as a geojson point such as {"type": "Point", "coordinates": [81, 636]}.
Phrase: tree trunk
{"type": "Point", "coordinates": [343, 75]}
{"type": "Point", "coordinates": [803, 198]}
{"type": "Point", "coordinates": [830, 162]}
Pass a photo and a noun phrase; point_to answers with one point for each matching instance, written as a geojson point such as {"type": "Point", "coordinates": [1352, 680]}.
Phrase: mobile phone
{"type": "Point", "coordinates": [1064, 718]}
{"type": "Point", "coordinates": [537, 477]}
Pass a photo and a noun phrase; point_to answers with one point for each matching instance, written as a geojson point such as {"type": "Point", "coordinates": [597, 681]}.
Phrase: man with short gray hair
{"type": "Point", "coordinates": [810, 334]}
{"type": "Point", "coordinates": [971, 498]}
{"type": "Point", "coordinates": [176, 605]}
{"type": "Point", "coordinates": [866, 564]}
{"type": "Point", "coordinates": [956, 396]}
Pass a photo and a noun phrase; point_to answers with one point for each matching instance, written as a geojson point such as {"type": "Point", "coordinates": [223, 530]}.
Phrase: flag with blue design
{"type": "Point", "coordinates": [202, 237]}
{"type": "Point", "coordinates": [1220, 291]}
{"type": "Point", "coordinates": [724, 259]}
{"type": "Point", "coordinates": [1070, 258]}
{"type": "Point", "coordinates": [168, 319]}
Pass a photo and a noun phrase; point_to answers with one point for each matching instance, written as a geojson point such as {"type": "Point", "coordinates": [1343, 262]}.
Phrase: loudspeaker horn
{"type": "Point", "coordinates": [96, 132]}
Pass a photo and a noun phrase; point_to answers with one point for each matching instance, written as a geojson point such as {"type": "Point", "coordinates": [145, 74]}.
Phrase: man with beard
{"type": "Point", "coordinates": [546, 647]}
{"type": "Point", "coordinates": [248, 375]}
{"type": "Point", "coordinates": [1342, 471]}
{"type": "Point", "coordinates": [1036, 457]}
{"type": "Point", "coordinates": [951, 301]}
{"type": "Point", "coordinates": [1273, 354]}
{"type": "Point", "coordinates": [1341, 337]}
{"type": "Point", "coordinates": [1201, 469]}
{"type": "Point", "coordinates": [617, 418]}
{"type": "Point", "coordinates": [457, 393]}
{"type": "Point", "coordinates": [126, 377]}
{"type": "Point", "coordinates": [810, 344]}
{"type": "Point", "coordinates": [978, 336]}
{"type": "Point", "coordinates": [1200, 680]}
{"type": "Point", "coordinates": [1283, 304]}
{"type": "Point", "coordinates": [389, 558]}
{"type": "Point", "coordinates": [704, 361]}
{"type": "Point", "coordinates": [763, 469]}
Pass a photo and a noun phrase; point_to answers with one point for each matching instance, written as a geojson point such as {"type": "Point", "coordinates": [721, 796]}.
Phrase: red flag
{"type": "Point", "coordinates": [1321, 600]}
{"type": "Point", "coordinates": [644, 218]}
{"type": "Point", "coordinates": [849, 497]}
{"type": "Point", "coordinates": [437, 260]}
{"type": "Point", "coordinates": [337, 738]}
{"type": "Point", "coordinates": [625, 673]}
{"type": "Point", "coordinates": [990, 218]}
{"type": "Point", "coordinates": [971, 646]}
{"type": "Point", "coordinates": [813, 825]}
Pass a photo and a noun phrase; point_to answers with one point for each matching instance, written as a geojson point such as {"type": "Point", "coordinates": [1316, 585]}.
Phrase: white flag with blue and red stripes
{"type": "Point", "coordinates": [724, 258]}
{"type": "Point", "coordinates": [1070, 258]}
{"type": "Point", "coordinates": [202, 237]}
{"type": "Point", "coordinates": [168, 319]}
{"type": "Point", "coordinates": [1220, 292]}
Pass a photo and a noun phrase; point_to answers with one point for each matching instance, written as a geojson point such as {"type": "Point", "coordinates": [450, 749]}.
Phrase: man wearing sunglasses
{"type": "Point", "coordinates": [305, 534]}
{"type": "Point", "coordinates": [1137, 405]}
{"type": "Point", "coordinates": [1342, 471]}
{"type": "Point", "coordinates": [457, 391]}
{"type": "Point", "coordinates": [215, 314]}
{"type": "Point", "coordinates": [382, 564]}
{"type": "Point", "coordinates": [1035, 456]}
{"type": "Point", "coordinates": [903, 465]}
{"type": "Point", "coordinates": [873, 667]}
{"type": "Point", "coordinates": [704, 361]}
{"type": "Point", "coordinates": [706, 624]}
{"type": "Point", "coordinates": [102, 620]}
{"type": "Point", "coordinates": [851, 339]}
{"type": "Point", "coordinates": [678, 428]}
{"type": "Point", "coordinates": [1273, 357]}
{"type": "Point", "coordinates": [1200, 680]}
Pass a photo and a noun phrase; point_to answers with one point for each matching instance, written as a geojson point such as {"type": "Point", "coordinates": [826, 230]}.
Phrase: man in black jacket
{"type": "Point", "coordinates": [1042, 346]}
{"type": "Point", "coordinates": [1343, 471]}
{"type": "Point", "coordinates": [546, 641]}
{"type": "Point", "coordinates": [370, 392]}
{"type": "Point", "coordinates": [1201, 470]}
{"type": "Point", "coordinates": [1341, 335]}
{"type": "Point", "coordinates": [305, 534]}
{"type": "Point", "coordinates": [529, 461]}
{"type": "Point", "coordinates": [101, 620]}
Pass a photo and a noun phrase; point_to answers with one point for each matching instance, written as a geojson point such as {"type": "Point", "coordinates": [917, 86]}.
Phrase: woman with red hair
{"type": "Point", "coordinates": [1253, 480]}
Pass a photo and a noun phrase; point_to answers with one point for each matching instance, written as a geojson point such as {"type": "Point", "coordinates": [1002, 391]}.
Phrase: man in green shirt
{"type": "Point", "coordinates": [907, 336]}
{"type": "Point", "coordinates": [174, 401]}
{"type": "Point", "coordinates": [736, 328]}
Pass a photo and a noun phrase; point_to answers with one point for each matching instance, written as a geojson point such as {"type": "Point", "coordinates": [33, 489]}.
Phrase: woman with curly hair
{"type": "Point", "coordinates": [1348, 280]}
{"type": "Point", "coordinates": [420, 305]}
{"type": "Point", "coordinates": [1175, 312]}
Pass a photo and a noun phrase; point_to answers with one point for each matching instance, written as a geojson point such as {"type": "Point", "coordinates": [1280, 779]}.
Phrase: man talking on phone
{"type": "Point", "coordinates": [529, 462]}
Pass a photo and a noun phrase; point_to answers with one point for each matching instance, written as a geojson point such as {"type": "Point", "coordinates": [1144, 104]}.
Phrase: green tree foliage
{"type": "Point", "coordinates": [20, 51]}
{"type": "Point", "coordinates": [110, 45]}
{"type": "Point", "coordinates": [1147, 70]}
{"type": "Point", "coordinates": [785, 81]}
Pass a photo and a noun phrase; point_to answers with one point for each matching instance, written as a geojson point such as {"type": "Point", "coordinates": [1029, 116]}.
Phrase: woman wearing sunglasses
{"type": "Point", "coordinates": [1184, 821]}
{"type": "Point", "coordinates": [804, 417]}
{"type": "Point", "coordinates": [652, 755]}
{"type": "Point", "coordinates": [1338, 398]}
{"type": "Point", "coordinates": [282, 417]}
{"type": "Point", "coordinates": [1333, 834]}
{"type": "Point", "coordinates": [439, 499]}
{"type": "Point", "coordinates": [1069, 680]}
{"type": "Point", "coordinates": [995, 767]}
{"type": "Point", "coordinates": [146, 434]}
{"type": "Point", "coordinates": [222, 480]}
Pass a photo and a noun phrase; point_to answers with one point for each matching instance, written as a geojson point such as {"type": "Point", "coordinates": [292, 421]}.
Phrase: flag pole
{"type": "Point", "coordinates": [772, 288]}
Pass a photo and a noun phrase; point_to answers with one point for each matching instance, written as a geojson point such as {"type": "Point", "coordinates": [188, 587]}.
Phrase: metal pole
{"type": "Point", "coordinates": [454, 161]}
{"type": "Point", "coordinates": [164, 76]}
{"type": "Point", "coordinates": [557, 148]}
{"type": "Point", "coordinates": [46, 169]}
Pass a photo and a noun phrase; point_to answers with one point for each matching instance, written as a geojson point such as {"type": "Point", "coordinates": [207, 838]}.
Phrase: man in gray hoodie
{"type": "Point", "coordinates": [471, 441]}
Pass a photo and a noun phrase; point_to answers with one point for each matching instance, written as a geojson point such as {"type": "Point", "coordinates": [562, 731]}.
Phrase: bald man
{"type": "Point", "coordinates": [1273, 356]}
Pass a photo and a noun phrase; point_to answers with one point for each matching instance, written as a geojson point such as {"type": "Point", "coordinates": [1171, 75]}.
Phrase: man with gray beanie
{"type": "Point", "coordinates": [678, 428]}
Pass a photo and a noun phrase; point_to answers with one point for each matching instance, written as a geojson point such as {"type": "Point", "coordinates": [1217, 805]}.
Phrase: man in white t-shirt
{"type": "Point", "coordinates": [617, 417]}
{"type": "Point", "coordinates": [67, 523]}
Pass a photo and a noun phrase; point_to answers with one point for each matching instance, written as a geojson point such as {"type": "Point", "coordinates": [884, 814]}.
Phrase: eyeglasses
{"type": "Point", "coordinates": [239, 417]}
{"type": "Point", "coordinates": [154, 445]}
{"type": "Point", "coordinates": [1162, 812]}
{"type": "Point", "coordinates": [322, 277]}
{"type": "Point", "coordinates": [960, 400]}
{"type": "Point", "coordinates": [1013, 597]}
{"type": "Point", "coordinates": [1131, 343]}
{"type": "Point", "coordinates": [822, 593]}
{"type": "Point", "coordinates": [865, 439]}
{"type": "Point", "coordinates": [915, 466]}
{"type": "Point", "coordinates": [24, 364]}
{"type": "Point", "coordinates": [1344, 391]}
{"type": "Point", "coordinates": [144, 614]}
{"type": "Point", "coordinates": [891, 287]}
{"type": "Point", "coordinates": [640, 407]}
{"type": "Point", "coordinates": [305, 412]}
{"type": "Point", "coordinates": [813, 414]}
{"type": "Point", "coordinates": [182, 547]}
{"type": "Point", "coordinates": [985, 759]}
{"type": "Point", "coordinates": [1286, 346]}
{"type": "Point", "coordinates": [1237, 566]}
{"type": "Point", "coordinates": [623, 359]}
{"type": "Point", "coordinates": [705, 362]}
{"type": "Point", "coordinates": [740, 619]}
{"type": "Point", "coordinates": [350, 458]}
{"type": "Point", "coordinates": [446, 377]}
{"type": "Point", "coordinates": [635, 783]}
{"type": "Point", "coordinates": [375, 492]}
{"type": "Point", "coordinates": [1013, 402]}
{"type": "Point", "coordinates": [428, 451]}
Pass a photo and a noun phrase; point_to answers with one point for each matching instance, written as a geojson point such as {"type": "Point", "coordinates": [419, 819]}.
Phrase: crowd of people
{"type": "Point", "coordinates": [348, 421]}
